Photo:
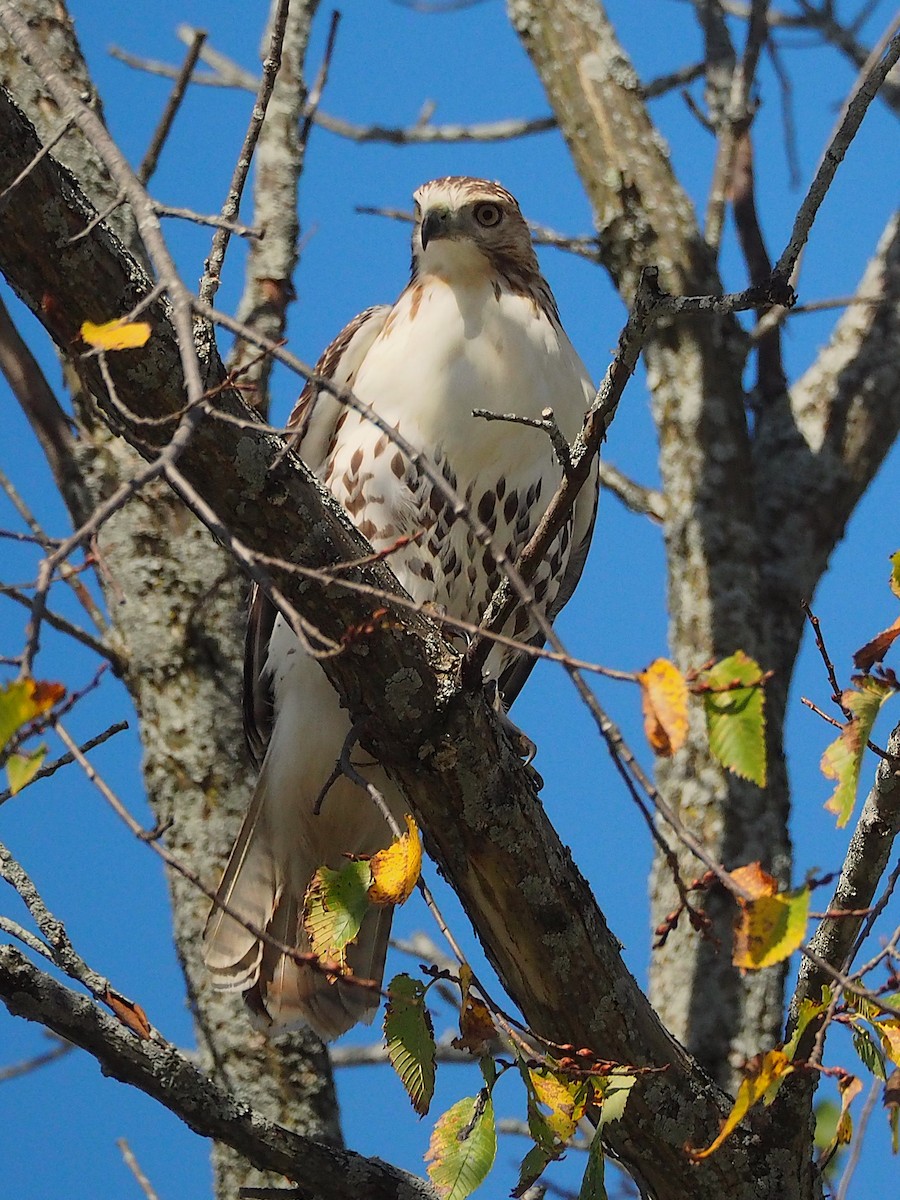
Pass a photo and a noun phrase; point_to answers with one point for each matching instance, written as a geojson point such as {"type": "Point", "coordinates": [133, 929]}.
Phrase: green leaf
{"type": "Point", "coordinates": [612, 1094]}
{"type": "Point", "coordinates": [592, 1185]}
{"type": "Point", "coordinates": [22, 768]}
{"type": "Point", "coordinates": [336, 902]}
{"type": "Point", "coordinates": [809, 1010]}
{"type": "Point", "coordinates": [827, 1115]}
{"type": "Point", "coordinates": [842, 759]}
{"type": "Point", "coordinates": [409, 1036]}
{"type": "Point", "coordinates": [463, 1146]}
{"type": "Point", "coordinates": [735, 719]}
{"type": "Point", "coordinates": [533, 1166]}
{"type": "Point", "coordinates": [895, 573]}
{"type": "Point", "coordinates": [868, 1051]}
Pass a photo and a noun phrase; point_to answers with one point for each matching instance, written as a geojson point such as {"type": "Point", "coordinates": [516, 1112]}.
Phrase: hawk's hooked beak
{"type": "Point", "coordinates": [437, 223]}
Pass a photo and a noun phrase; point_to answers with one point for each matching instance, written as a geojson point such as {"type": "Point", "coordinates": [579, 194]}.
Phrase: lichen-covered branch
{"type": "Point", "coordinates": [445, 745]}
{"type": "Point", "coordinates": [159, 1069]}
{"type": "Point", "coordinates": [180, 635]}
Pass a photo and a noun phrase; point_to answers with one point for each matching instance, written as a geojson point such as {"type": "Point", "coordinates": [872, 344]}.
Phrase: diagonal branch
{"type": "Point", "coordinates": [446, 746]}
{"type": "Point", "coordinates": [157, 1068]}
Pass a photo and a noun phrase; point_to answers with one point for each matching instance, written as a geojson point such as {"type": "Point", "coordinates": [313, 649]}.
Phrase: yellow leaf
{"type": "Point", "coordinates": [770, 925]}
{"type": "Point", "coordinates": [761, 1084]}
{"type": "Point", "coordinates": [566, 1099]}
{"type": "Point", "coordinates": [809, 1010]}
{"type": "Point", "coordinates": [396, 870]}
{"type": "Point", "coordinates": [849, 1087]}
{"type": "Point", "coordinates": [842, 760]}
{"type": "Point", "coordinates": [23, 700]}
{"type": "Point", "coordinates": [664, 700]}
{"type": "Point", "coordinates": [889, 1032]}
{"type": "Point", "coordinates": [22, 768]}
{"type": "Point", "coordinates": [116, 335]}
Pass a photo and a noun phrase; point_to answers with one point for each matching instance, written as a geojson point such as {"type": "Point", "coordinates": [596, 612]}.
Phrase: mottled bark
{"type": "Point", "coordinates": [487, 831]}
{"type": "Point", "coordinates": [713, 553]}
{"type": "Point", "coordinates": [162, 1071]}
{"type": "Point", "coordinates": [180, 631]}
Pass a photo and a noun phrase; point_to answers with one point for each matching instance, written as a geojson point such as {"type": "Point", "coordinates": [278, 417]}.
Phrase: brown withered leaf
{"type": "Point", "coordinates": [874, 651]}
{"type": "Point", "coordinates": [129, 1013]}
{"type": "Point", "coordinates": [476, 1027]}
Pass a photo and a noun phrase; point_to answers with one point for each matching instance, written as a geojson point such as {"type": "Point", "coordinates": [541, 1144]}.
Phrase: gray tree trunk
{"type": "Point", "coordinates": [180, 632]}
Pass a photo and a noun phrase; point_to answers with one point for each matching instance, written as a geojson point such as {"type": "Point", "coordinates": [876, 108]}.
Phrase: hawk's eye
{"type": "Point", "coordinates": [488, 215]}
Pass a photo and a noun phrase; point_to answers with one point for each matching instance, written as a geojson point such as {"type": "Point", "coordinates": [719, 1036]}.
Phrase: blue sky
{"type": "Point", "coordinates": [60, 1125]}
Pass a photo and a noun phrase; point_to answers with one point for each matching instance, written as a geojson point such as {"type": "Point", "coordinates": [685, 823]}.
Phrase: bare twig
{"type": "Point", "coordinates": [162, 1072]}
{"type": "Point", "coordinates": [26, 1066]}
{"type": "Point", "coordinates": [856, 108]}
{"type": "Point", "coordinates": [151, 157]}
{"type": "Point", "coordinates": [647, 502]}
{"type": "Point", "coordinates": [46, 147]}
{"type": "Point", "coordinates": [56, 939]}
{"type": "Point", "coordinates": [68, 628]}
{"type": "Point", "coordinates": [859, 1136]}
{"type": "Point", "coordinates": [134, 1167]}
{"type": "Point", "coordinates": [209, 284]}
{"type": "Point", "coordinates": [151, 838]}
{"type": "Point", "coordinates": [65, 759]}
{"type": "Point", "coordinates": [188, 214]}
{"type": "Point", "coordinates": [45, 414]}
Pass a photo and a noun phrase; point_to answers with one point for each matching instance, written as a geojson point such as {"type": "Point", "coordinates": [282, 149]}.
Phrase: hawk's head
{"type": "Point", "coordinates": [467, 226]}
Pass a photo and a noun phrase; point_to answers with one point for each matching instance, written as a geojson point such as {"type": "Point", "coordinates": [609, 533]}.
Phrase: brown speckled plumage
{"type": "Point", "coordinates": [476, 327]}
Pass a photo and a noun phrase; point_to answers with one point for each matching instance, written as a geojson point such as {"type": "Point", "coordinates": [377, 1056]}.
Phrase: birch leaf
{"type": "Point", "coordinates": [396, 870]}
{"type": "Point", "coordinates": [842, 759]}
{"type": "Point", "coordinates": [409, 1036]}
{"type": "Point", "coordinates": [463, 1147]}
{"type": "Point", "coordinates": [22, 768]}
{"type": "Point", "coordinates": [761, 1084]}
{"type": "Point", "coordinates": [771, 925]}
{"type": "Point", "coordinates": [664, 700]}
{"type": "Point", "coordinates": [23, 700]}
{"type": "Point", "coordinates": [735, 718]}
{"type": "Point", "coordinates": [116, 335]}
{"type": "Point", "coordinates": [336, 902]}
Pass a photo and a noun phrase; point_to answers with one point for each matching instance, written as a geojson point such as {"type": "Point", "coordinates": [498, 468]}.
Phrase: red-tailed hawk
{"type": "Point", "coordinates": [476, 327]}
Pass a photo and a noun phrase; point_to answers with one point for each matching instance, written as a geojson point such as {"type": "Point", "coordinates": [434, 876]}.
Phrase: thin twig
{"type": "Point", "coordinates": [151, 157]}
{"type": "Point", "coordinates": [209, 284]}
{"type": "Point", "coordinates": [52, 929]}
{"type": "Point", "coordinates": [65, 759]}
{"type": "Point", "coordinates": [134, 1167]}
{"type": "Point", "coordinates": [188, 214]}
{"type": "Point", "coordinates": [151, 838]}
{"type": "Point", "coordinates": [856, 108]}
{"type": "Point", "coordinates": [60, 132]}
{"type": "Point", "coordinates": [17, 1070]}
{"type": "Point", "coordinates": [859, 1135]}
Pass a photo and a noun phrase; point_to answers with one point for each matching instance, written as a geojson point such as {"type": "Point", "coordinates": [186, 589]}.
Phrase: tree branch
{"type": "Point", "coordinates": [864, 865]}
{"type": "Point", "coordinates": [157, 1068]}
{"type": "Point", "coordinates": [445, 745]}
